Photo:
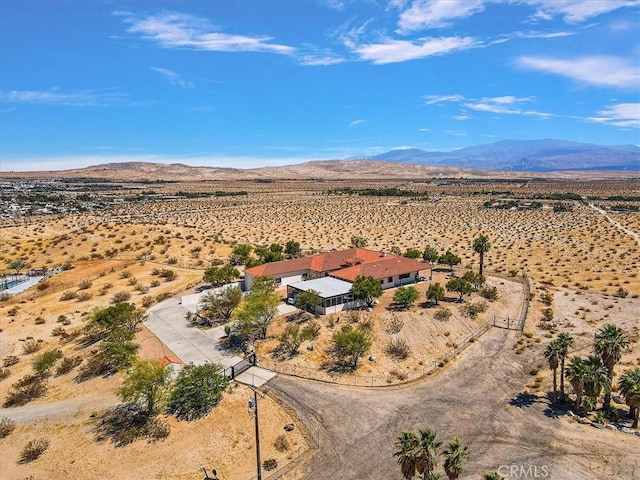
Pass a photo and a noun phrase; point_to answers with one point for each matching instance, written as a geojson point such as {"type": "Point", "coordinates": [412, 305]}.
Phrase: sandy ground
{"type": "Point", "coordinates": [580, 258]}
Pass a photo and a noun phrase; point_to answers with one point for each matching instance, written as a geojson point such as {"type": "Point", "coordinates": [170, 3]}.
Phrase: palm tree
{"type": "Point", "coordinates": [481, 245]}
{"type": "Point", "coordinates": [565, 342]}
{"type": "Point", "coordinates": [597, 378]}
{"type": "Point", "coordinates": [610, 341]}
{"type": "Point", "coordinates": [629, 385]}
{"type": "Point", "coordinates": [455, 455]}
{"type": "Point", "coordinates": [426, 452]}
{"type": "Point", "coordinates": [406, 445]}
{"type": "Point", "coordinates": [577, 373]}
{"type": "Point", "coordinates": [552, 354]}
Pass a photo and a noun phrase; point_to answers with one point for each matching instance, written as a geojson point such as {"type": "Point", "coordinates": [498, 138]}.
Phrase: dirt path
{"type": "Point", "coordinates": [58, 408]}
{"type": "Point", "coordinates": [473, 400]}
{"type": "Point", "coordinates": [618, 225]}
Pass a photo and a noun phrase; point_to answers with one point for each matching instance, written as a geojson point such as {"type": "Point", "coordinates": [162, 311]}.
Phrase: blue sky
{"type": "Point", "coordinates": [246, 83]}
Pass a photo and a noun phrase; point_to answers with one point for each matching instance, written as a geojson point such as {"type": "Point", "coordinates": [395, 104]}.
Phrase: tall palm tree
{"type": "Point", "coordinates": [552, 354]}
{"type": "Point", "coordinates": [629, 386]}
{"type": "Point", "coordinates": [455, 456]}
{"type": "Point", "coordinates": [577, 373]}
{"type": "Point", "coordinates": [597, 378]}
{"type": "Point", "coordinates": [427, 451]}
{"type": "Point", "coordinates": [609, 343]}
{"type": "Point", "coordinates": [565, 341]}
{"type": "Point", "coordinates": [406, 445]}
{"type": "Point", "coordinates": [481, 245]}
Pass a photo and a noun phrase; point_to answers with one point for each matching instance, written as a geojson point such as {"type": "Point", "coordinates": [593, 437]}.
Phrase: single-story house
{"type": "Point", "coordinates": [344, 265]}
{"type": "Point", "coordinates": [336, 294]}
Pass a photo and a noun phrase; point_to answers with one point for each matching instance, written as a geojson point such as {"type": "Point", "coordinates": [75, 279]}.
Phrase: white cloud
{"type": "Point", "coordinates": [461, 117]}
{"type": "Point", "coordinates": [576, 11]}
{"type": "Point", "coordinates": [173, 77]}
{"type": "Point", "coordinates": [178, 30]}
{"type": "Point", "coordinates": [621, 115]}
{"type": "Point", "coordinates": [457, 133]}
{"type": "Point", "coordinates": [595, 70]}
{"type": "Point", "coordinates": [424, 14]}
{"type": "Point", "coordinates": [392, 51]}
{"type": "Point", "coordinates": [431, 99]}
{"type": "Point", "coordinates": [355, 123]}
{"type": "Point", "coordinates": [80, 98]}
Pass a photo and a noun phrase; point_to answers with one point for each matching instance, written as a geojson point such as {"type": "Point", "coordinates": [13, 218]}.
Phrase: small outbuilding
{"type": "Point", "coordinates": [335, 293]}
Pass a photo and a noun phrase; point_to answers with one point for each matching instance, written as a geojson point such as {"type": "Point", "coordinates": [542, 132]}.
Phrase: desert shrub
{"type": "Point", "coordinates": [472, 310]}
{"type": "Point", "coordinates": [442, 314]}
{"type": "Point", "coordinates": [124, 274]}
{"type": "Point", "coordinates": [147, 301]}
{"type": "Point", "coordinates": [168, 275]}
{"type": "Point", "coordinates": [120, 297]}
{"type": "Point", "coordinates": [96, 366]}
{"type": "Point", "coordinates": [172, 261]}
{"type": "Point", "coordinates": [311, 330]}
{"type": "Point", "coordinates": [63, 319]}
{"type": "Point", "coordinates": [10, 360]}
{"type": "Point", "coordinates": [24, 390]}
{"type": "Point", "coordinates": [621, 293]}
{"type": "Point", "coordinates": [547, 314]}
{"type": "Point", "coordinates": [43, 285]}
{"type": "Point", "coordinates": [67, 364]}
{"type": "Point", "coordinates": [394, 326]}
{"type": "Point", "coordinates": [281, 444]}
{"type": "Point", "coordinates": [31, 346]}
{"type": "Point", "coordinates": [398, 348]}
{"type": "Point", "coordinates": [513, 272]}
{"type": "Point", "coordinates": [4, 296]}
{"type": "Point", "coordinates": [4, 373]}
{"type": "Point", "coordinates": [155, 283]}
{"type": "Point", "coordinates": [490, 293]}
{"type": "Point", "coordinates": [39, 320]}
{"type": "Point", "coordinates": [68, 295]}
{"type": "Point", "coordinates": [58, 332]}
{"type": "Point", "coordinates": [163, 296]}
{"type": "Point", "coordinates": [33, 449]}
{"type": "Point", "coordinates": [85, 284]}
{"type": "Point", "coordinates": [270, 464]}
{"type": "Point", "coordinates": [45, 361]}
{"type": "Point", "coordinates": [546, 299]}
{"type": "Point", "coordinates": [6, 427]}
{"type": "Point", "coordinates": [84, 296]}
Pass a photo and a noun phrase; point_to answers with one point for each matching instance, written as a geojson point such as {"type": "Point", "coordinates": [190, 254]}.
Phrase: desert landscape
{"type": "Point", "coordinates": [580, 262]}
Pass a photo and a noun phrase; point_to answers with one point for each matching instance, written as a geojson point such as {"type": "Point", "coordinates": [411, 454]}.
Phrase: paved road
{"type": "Point", "coordinates": [358, 427]}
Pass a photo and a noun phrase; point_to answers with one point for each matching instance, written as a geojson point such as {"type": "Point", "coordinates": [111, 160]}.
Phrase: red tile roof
{"type": "Point", "coordinates": [388, 266]}
{"type": "Point", "coordinates": [345, 264]}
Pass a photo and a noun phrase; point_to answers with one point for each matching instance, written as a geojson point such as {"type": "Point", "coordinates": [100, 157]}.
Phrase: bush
{"type": "Point", "coordinates": [24, 390]}
{"type": "Point", "coordinates": [490, 293]}
{"type": "Point", "coordinates": [120, 297]}
{"type": "Point", "coordinates": [442, 314]}
{"type": "Point", "coordinates": [281, 444]}
{"type": "Point", "coordinates": [621, 293]}
{"type": "Point", "coordinates": [4, 373]}
{"type": "Point", "coordinates": [6, 427]}
{"type": "Point", "coordinates": [45, 361]}
{"type": "Point", "coordinates": [39, 320]}
{"type": "Point", "coordinates": [85, 284]}
{"type": "Point", "coordinates": [472, 310]}
{"type": "Point", "coordinates": [68, 295]}
{"type": "Point", "coordinates": [311, 330]}
{"type": "Point", "coordinates": [31, 346]}
{"type": "Point", "coordinates": [58, 332]}
{"type": "Point", "coordinates": [270, 464]}
{"type": "Point", "coordinates": [394, 326]}
{"type": "Point", "coordinates": [67, 364]}
{"type": "Point", "coordinates": [33, 449]}
{"type": "Point", "coordinates": [84, 296]}
{"type": "Point", "coordinates": [94, 367]}
{"type": "Point", "coordinates": [10, 360]}
{"type": "Point", "coordinates": [398, 349]}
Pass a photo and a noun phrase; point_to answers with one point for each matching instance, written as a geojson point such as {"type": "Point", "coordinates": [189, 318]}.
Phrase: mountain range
{"type": "Point", "coordinates": [525, 155]}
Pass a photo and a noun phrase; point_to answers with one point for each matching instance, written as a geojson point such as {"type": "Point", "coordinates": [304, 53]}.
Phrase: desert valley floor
{"type": "Point", "coordinates": [573, 244]}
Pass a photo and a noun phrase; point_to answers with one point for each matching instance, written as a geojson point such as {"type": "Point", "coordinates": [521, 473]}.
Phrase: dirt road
{"type": "Point", "coordinates": [474, 399]}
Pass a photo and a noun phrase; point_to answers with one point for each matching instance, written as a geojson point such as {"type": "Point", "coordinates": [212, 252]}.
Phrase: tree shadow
{"type": "Point", "coordinates": [524, 399]}
{"type": "Point", "coordinates": [126, 423]}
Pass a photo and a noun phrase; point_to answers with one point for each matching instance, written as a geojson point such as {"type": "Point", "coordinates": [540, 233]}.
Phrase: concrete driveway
{"type": "Point", "coordinates": [167, 321]}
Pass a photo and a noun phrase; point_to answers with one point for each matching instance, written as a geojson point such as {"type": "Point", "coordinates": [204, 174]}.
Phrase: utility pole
{"type": "Point", "coordinates": [253, 407]}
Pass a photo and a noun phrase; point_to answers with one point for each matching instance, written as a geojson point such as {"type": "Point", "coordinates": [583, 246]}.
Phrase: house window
{"type": "Point", "coordinates": [404, 275]}
{"type": "Point", "coordinates": [390, 279]}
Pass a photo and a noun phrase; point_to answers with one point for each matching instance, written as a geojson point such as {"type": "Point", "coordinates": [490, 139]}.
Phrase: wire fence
{"type": "Point", "coordinates": [281, 470]}
{"type": "Point", "coordinates": [392, 378]}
